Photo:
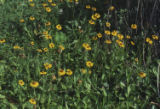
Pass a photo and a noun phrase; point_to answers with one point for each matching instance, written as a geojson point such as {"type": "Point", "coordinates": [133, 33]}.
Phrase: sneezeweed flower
{"type": "Point", "coordinates": [48, 37]}
{"type": "Point", "coordinates": [69, 72]}
{"type": "Point", "coordinates": [120, 43]}
{"type": "Point", "coordinates": [51, 45]}
{"type": "Point", "coordinates": [88, 6]}
{"type": "Point", "coordinates": [89, 64]}
{"type": "Point", "coordinates": [114, 33]}
{"type": "Point", "coordinates": [59, 27]}
{"type": "Point", "coordinates": [148, 39]}
{"type": "Point", "coordinates": [128, 37]}
{"type": "Point", "coordinates": [120, 36]}
{"type": "Point", "coordinates": [111, 8]}
{"type": "Point", "coordinates": [47, 66]}
{"type": "Point", "coordinates": [31, 18]}
{"type": "Point", "coordinates": [108, 41]}
{"type": "Point", "coordinates": [34, 84]}
{"type": "Point", "coordinates": [21, 82]}
{"type": "Point", "coordinates": [30, 0]}
{"type": "Point", "coordinates": [43, 73]}
{"type": "Point", "coordinates": [94, 17]}
{"type": "Point", "coordinates": [48, 9]}
{"type": "Point", "coordinates": [94, 38]}
{"type": "Point", "coordinates": [21, 20]}
{"type": "Point", "coordinates": [31, 4]}
{"type": "Point", "coordinates": [50, 1]}
{"type": "Point", "coordinates": [16, 47]}
{"type": "Point", "coordinates": [48, 23]}
{"type": "Point", "coordinates": [108, 24]}
{"type": "Point", "coordinates": [97, 15]}
{"type": "Point", "coordinates": [45, 49]}
{"type": "Point", "coordinates": [53, 4]}
{"type": "Point", "coordinates": [61, 72]}
{"type": "Point", "coordinates": [91, 22]}
{"type": "Point", "coordinates": [84, 71]}
{"type": "Point", "coordinates": [142, 74]}
{"type": "Point", "coordinates": [2, 41]}
{"type": "Point", "coordinates": [61, 47]}
{"type": "Point", "coordinates": [39, 50]}
{"type": "Point", "coordinates": [132, 43]}
{"type": "Point", "coordinates": [150, 42]}
{"type": "Point", "coordinates": [136, 59]}
{"type": "Point", "coordinates": [54, 77]}
{"type": "Point", "coordinates": [99, 35]}
{"type": "Point", "coordinates": [107, 32]}
{"type": "Point", "coordinates": [32, 101]}
{"type": "Point", "coordinates": [86, 46]}
{"type": "Point", "coordinates": [134, 26]}
{"type": "Point", "coordinates": [32, 43]}
{"type": "Point", "coordinates": [94, 9]}
{"type": "Point", "coordinates": [44, 4]}
{"type": "Point", "coordinates": [155, 37]}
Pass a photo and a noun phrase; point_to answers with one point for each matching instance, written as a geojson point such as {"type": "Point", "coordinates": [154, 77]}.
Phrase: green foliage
{"type": "Point", "coordinates": [67, 54]}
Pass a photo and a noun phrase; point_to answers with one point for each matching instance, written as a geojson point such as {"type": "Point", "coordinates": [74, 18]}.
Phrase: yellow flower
{"type": "Point", "coordinates": [21, 82]}
{"type": "Point", "coordinates": [107, 32]}
{"type": "Point", "coordinates": [32, 4]}
{"type": "Point", "coordinates": [47, 66]}
{"type": "Point", "coordinates": [108, 24]}
{"type": "Point", "coordinates": [17, 47]}
{"type": "Point", "coordinates": [108, 41]}
{"type": "Point", "coordinates": [94, 38]}
{"type": "Point", "coordinates": [48, 9]}
{"type": "Point", "coordinates": [136, 59]}
{"type": "Point", "coordinates": [89, 71]}
{"type": "Point", "coordinates": [48, 37]}
{"type": "Point", "coordinates": [97, 15]}
{"type": "Point", "coordinates": [54, 77]}
{"type": "Point", "coordinates": [150, 42]}
{"type": "Point", "coordinates": [88, 6]}
{"type": "Point", "coordinates": [89, 64]}
{"type": "Point", "coordinates": [39, 50]}
{"type": "Point", "coordinates": [51, 45]}
{"type": "Point", "coordinates": [61, 72]}
{"type": "Point", "coordinates": [132, 43]}
{"type": "Point", "coordinates": [21, 20]}
{"type": "Point", "coordinates": [32, 101]}
{"type": "Point", "coordinates": [120, 36]}
{"type": "Point", "coordinates": [99, 35]}
{"type": "Point", "coordinates": [142, 74]}
{"type": "Point", "coordinates": [91, 22]}
{"type": "Point", "coordinates": [111, 8]}
{"type": "Point", "coordinates": [45, 32]}
{"type": "Point", "coordinates": [2, 41]}
{"type": "Point", "coordinates": [120, 43]}
{"type": "Point", "coordinates": [94, 9]}
{"type": "Point", "coordinates": [50, 1]}
{"type": "Point", "coordinates": [30, 0]}
{"type": "Point", "coordinates": [48, 23]}
{"type": "Point", "coordinates": [34, 84]}
{"type": "Point", "coordinates": [53, 4]}
{"type": "Point", "coordinates": [61, 47]}
{"type": "Point", "coordinates": [114, 33]}
{"type": "Point", "coordinates": [59, 27]}
{"type": "Point", "coordinates": [43, 73]}
{"type": "Point", "coordinates": [83, 71]}
{"type": "Point", "coordinates": [69, 72]}
{"type": "Point", "coordinates": [32, 43]}
{"type": "Point", "coordinates": [134, 26]}
{"type": "Point", "coordinates": [148, 39]}
{"type": "Point", "coordinates": [94, 17]}
{"type": "Point", "coordinates": [128, 37]}
{"type": "Point", "coordinates": [45, 49]}
{"type": "Point", "coordinates": [31, 18]}
{"type": "Point", "coordinates": [86, 46]}
{"type": "Point", "coordinates": [155, 37]}
{"type": "Point", "coordinates": [44, 4]}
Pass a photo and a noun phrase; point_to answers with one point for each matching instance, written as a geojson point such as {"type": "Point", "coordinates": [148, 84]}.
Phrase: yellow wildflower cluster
{"type": "Point", "coordinates": [86, 46]}
{"type": "Point", "coordinates": [149, 41]}
{"type": "Point", "coordinates": [47, 66]}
